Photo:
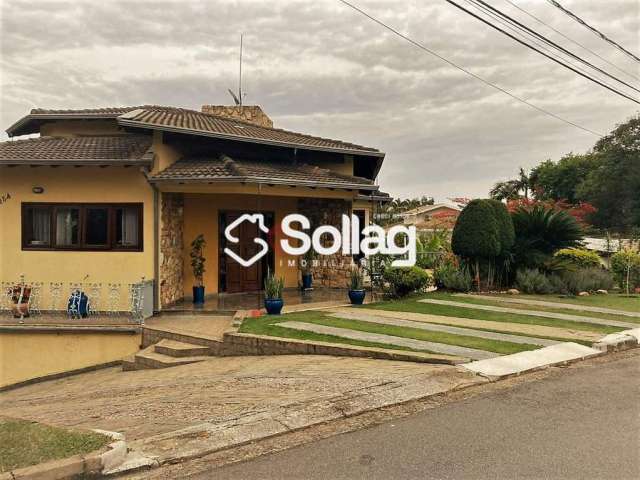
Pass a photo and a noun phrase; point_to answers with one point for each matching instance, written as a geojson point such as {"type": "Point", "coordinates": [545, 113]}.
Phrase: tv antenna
{"type": "Point", "coordinates": [238, 98]}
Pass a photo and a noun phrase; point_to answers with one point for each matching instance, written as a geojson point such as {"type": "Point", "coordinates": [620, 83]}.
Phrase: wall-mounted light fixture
{"type": "Point", "coordinates": [37, 190]}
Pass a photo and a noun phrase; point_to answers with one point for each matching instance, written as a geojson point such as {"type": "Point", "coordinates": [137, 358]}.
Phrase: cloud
{"type": "Point", "coordinates": [321, 68]}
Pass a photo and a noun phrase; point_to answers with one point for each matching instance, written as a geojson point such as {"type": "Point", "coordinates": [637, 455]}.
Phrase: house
{"type": "Point", "coordinates": [428, 217]}
{"type": "Point", "coordinates": [117, 194]}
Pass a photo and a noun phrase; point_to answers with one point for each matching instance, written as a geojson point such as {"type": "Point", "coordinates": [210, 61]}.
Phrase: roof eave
{"type": "Point", "coordinates": [24, 121]}
{"type": "Point", "coordinates": [137, 124]}
{"type": "Point", "coordinates": [265, 181]}
{"type": "Point", "coordinates": [77, 162]}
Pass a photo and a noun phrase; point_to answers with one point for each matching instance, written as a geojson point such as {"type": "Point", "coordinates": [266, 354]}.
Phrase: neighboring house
{"type": "Point", "coordinates": [427, 217]}
{"type": "Point", "coordinates": [606, 247]}
{"type": "Point", "coordinates": [116, 194]}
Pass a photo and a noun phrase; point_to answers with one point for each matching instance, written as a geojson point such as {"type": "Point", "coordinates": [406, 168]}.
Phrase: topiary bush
{"type": "Point", "coordinates": [476, 234]}
{"type": "Point", "coordinates": [531, 280]}
{"type": "Point", "coordinates": [579, 257]}
{"type": "Point", "coordinates": [626, 264]}
{"type": "Point", "coordinates": [405, 280]}
{"type": "Point", "coordinates": [506, 232]}
{"type": "Point", "coordinates": [451, 277]}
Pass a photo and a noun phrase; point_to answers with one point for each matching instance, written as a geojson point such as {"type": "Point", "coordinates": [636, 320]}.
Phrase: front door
{"type": "Point", "coordinates": [235, 277]}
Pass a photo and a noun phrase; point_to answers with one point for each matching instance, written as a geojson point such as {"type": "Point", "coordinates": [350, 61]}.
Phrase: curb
{"type": "Point", "coordinates": [615, 342]}
{"type": "Point", "coordinates": [94, 463]}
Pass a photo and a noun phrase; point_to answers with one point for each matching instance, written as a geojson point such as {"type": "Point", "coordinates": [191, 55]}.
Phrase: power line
{"type": "Point", "coordinates": [468, 72]}
{"type": "Point", "coordinates": [519, 32]}
{"type": "Point", "coordinates": [571, 40]}
{"type": "Point", "coordinates": [533, 33]}
{"type": "Point", "coordinates": [604, 85]}
{"type": "Point", "coordinates": [593, 30]}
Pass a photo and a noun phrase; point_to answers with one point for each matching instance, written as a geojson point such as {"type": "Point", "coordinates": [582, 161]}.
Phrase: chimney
{"type": "Point", "coordinates": [246, 113]}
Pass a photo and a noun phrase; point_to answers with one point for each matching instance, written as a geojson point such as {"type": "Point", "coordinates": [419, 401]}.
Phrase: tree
{"type": "Point", "coordinates": [505, 226]}
{"type": "Point", "coordinates": [511, 189]}
{"type": "Point", "coordinates": [541, 231]}
{"type": "Point", "coordinates": [476, 235]}
{"type": "Point", "coordinates": [561, 180]}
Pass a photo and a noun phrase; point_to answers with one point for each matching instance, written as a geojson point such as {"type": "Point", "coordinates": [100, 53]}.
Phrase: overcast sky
{"type": "Point", "coordinates": [318, 67]}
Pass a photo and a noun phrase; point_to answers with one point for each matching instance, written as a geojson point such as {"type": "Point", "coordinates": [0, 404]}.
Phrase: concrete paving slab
{"type": "Point", "coordinates": [390, 340]}
{"type": "Point", "coordinates": [564, 333]}
{"type": "Point", "coordinates": [521, 362]}
{"type": "Point", "coordinates": [505, 337]}
{"type": "Point", "coordinates": [542, 303]}
{"type": "Point", "coordinates": [532, 313]}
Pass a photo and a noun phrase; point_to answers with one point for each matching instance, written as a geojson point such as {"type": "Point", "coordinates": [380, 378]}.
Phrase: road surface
{"type": "Point", "coordinates": [582, 424]}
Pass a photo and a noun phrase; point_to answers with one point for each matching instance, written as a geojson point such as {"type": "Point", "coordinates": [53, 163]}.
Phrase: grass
{"type": "Point", "coordinates": [614, 301]}
{"type": "Point", "coordinates": [520, 306]}
{"type": "Point", "coordinates": [269, 326]}
{"type": "Point", "coordinates": [24, 443]}
{"type": "Point", "coordinates": [412, 305]}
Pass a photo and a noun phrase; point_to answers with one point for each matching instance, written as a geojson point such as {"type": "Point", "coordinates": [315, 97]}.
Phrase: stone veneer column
{"type": "Point", "coordinates": [171, 248]}
{"type": "Point", "coordinates": [333, 270]}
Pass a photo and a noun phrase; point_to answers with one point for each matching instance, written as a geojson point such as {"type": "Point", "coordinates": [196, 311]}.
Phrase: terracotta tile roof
{"type": "Point", "coordinates": [109, 111]}
{"type": "Point", "coordinates": [225, 169]}
{"type": "Point", "coordinates": [102, 150]}
{"type": "Point", "coordinates": [191, 121]}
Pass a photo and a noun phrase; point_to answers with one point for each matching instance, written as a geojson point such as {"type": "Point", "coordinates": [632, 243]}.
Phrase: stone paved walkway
{"type": "Point", "coordinates": [505, 337]}
{"type": "Point", "coordinates": [391, 340]}
{"type": "Point", "coordinates": [532, 313]}
{"type": "Point", "coordinates": [542, 303]}
{"type": "Point", "coordinates": [516, 328]}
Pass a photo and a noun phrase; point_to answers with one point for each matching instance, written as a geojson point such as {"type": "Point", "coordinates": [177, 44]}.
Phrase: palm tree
{"type": "Point", "coordinates": [510, 189]}
{"type": "Point", "coordinates": [540, 232]}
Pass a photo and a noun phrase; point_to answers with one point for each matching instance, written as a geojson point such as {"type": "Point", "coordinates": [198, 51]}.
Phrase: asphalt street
{"type": "Point", "coordinates": [581, 424]}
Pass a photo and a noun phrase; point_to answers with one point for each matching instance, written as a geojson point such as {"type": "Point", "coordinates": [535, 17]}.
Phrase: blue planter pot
{"type": "Point", "coordinates": [357, 296]}
{"type": "Point", "coordinates": [307, 280]}
{"type": "Point", "coordinates": [273, 305]}
{"type": "Point", "coordinates": [198, 295]}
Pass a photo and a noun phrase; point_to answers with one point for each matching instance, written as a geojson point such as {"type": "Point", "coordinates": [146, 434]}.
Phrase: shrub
{"type": "Point", "coordinates": [476, 233]}
{"type": "Point", "coordinates": [623, 263]}
{"type": "Point", "coordinates": [579, 257]}
{"type": "Point", "coordinates": [431, 247]}
{"type": "Point", "coordinates": [531, 280]}
{"type": "Point", "coordinates": [450, 277]}
{"type": "Point", "coordinates": [558, 285]}
{"type": "Point", "coordinates": [356, 279]}
{"type": "Point", "coordinates": [405, 280]}
{"type": "Point", "coordinates": [541, 231]}
{"type": "Point", "coordinates": [588, 280]}
{"type": "Point", "coordinates": [273, 286]}
{"type": "Point", "coordinates": [506, 231]}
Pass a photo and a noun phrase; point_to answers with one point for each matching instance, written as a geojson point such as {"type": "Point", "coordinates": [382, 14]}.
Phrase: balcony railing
{"type": "Point", "coordinates": [28, 301]}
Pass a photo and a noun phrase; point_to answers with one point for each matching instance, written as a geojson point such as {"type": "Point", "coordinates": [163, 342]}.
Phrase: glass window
{"type": "Point", "coordinates": [38, 226]}
{"type": "Point", "coordinates": [97, 226]}
{"type": "Point", "coordinates": [67, 226]}
{"type": "Point", "coordinates": [127, 227]}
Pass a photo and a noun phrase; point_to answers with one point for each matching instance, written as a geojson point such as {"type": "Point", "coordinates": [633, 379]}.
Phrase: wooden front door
{"type": "Point", "coordinates": [239, 278]}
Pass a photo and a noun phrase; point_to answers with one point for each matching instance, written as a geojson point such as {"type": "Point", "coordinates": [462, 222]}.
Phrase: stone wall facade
{"type": "Point", "coordinates": [171, 248]}
{"type": "Point", "coordinates": [330, 270]}
{"type": "Point", "coordinates": [247, 113]}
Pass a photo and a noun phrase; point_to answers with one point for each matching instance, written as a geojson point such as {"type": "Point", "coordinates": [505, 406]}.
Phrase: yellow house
{"type": "Point", "coordinates": [119, 194]}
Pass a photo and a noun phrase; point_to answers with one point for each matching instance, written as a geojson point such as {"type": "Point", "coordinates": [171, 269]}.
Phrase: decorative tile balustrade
{"type": "Point", "coordinates": [25, 299]}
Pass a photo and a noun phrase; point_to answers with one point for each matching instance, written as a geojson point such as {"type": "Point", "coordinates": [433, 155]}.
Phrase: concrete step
{"type": "Point", "coordinates": [176, 349]}
{"type": "Point", "coordinates": [148, 358]}
{"type": "Point", "coordinates": [128, 363]}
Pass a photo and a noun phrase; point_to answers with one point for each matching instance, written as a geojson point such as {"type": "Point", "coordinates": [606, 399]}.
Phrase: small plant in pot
{"type": "Point", "coordinates": [356, 287]}
{"type": "Point", "coordinates": [273, 294]}
{"type": "Point", "coordinates": [197, 265]}
{"type": "Point", "coordinates": [306, 264]}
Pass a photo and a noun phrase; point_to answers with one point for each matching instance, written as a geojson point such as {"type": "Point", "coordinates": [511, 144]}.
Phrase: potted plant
{"type": "Point", "coordinates": [356, 286]}
{"type": "Point", "coordinates": [20, 295]}
{"type": "Point", "coordinates": [305, 267]}
{"type": "Point", "coordinates": [273, 294]}
{"type": "Point", "coordinates": [197, 265]}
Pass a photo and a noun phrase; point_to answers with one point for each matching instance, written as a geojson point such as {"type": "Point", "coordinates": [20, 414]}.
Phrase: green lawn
{"type": "Point", "coordinates": [268, 325]}
{"type": "Point", "coordinates": [412, 305]}
{"type": "Point", "coordinates": [24, 443]}
{"type": "Point", "coordinates": [614, 301]}
{"type": "Point", "coordinates": [520, 306]}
